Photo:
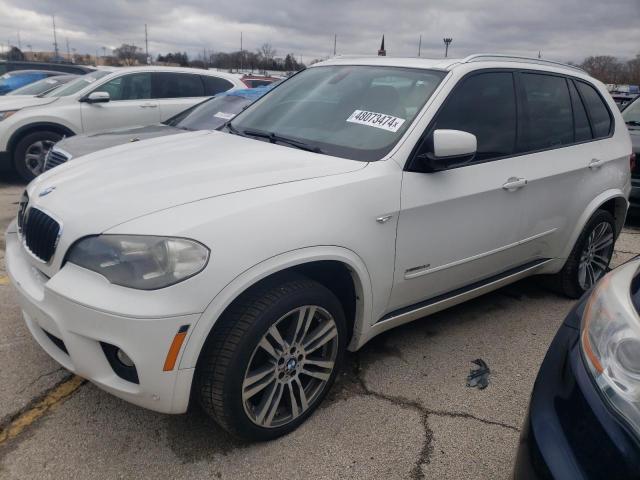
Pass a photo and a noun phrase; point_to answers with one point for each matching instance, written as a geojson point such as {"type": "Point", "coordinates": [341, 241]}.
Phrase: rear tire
{"type": "Point", "coordinates": [30, 152]}
{"type": "Point", "coordinates": [589, 260]}
{"type": "Point", "coordinates": [253, 374]}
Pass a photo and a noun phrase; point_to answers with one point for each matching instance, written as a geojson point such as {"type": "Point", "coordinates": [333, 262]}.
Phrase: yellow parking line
{"type": "Point", "coordinates": [4, 280]}
{"type": "Point", "coordinates": [49, 401]}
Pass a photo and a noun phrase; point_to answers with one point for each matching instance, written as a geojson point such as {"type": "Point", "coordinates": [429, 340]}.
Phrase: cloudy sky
{"type": "Point", "coordinates": [565, 30]}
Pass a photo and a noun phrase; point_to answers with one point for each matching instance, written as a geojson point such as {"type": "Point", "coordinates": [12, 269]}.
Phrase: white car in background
{"type": "Point", "coordinates": [106, 99]}
{"type": "Point", "coordinates": [236, 268]}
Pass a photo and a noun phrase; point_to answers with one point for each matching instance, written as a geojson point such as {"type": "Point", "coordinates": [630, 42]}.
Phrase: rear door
{"type": "Point", "coordinates": [130, 104]}
{"type": "Point", "coordinates": [463, 225]}
{"type": "Point", "coordinates": [175, 92]}
{"type": "Point", "coordinates": [563, 122]}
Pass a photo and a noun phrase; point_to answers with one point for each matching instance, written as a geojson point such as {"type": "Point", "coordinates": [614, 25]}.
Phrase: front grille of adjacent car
{"type": "Point", "coordinates": [54, 158]}
{"type": "Point", "coordinates": [40, 233]}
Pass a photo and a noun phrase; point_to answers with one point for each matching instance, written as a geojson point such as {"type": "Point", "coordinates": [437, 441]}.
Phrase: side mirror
{"type": "Point", "coordinates": [97, 97]}
{"type": "Point", "coordinates": [446, 149]}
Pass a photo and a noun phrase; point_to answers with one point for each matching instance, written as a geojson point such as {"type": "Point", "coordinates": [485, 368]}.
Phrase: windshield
{"type": "Point", "coordinates": [42, 86]}
{"type": "Point", "coordinates": [355, 112]}
{"type": "Point", "coordinates": [78, 84]}
{"type": "Point", "coordinates": [631, 114]}
{"type": "Point", "coordinates": [211, 114]}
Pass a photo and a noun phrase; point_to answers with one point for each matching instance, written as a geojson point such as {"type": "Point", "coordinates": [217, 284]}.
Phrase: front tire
{"type": "Point", "coordinates": [271, 358]}
{"type": "Point", "coordinates": [589, 260]}
{"type": "Point", "coordinates": [30, 152]}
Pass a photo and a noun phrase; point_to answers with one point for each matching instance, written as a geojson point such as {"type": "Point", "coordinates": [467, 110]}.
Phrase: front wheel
{"type": "Point", "coordinates": [30, 153]}
{"type": "Point", "coordinates": [589, 260]}
{"type": "Point", "coordinates": [272, 358]}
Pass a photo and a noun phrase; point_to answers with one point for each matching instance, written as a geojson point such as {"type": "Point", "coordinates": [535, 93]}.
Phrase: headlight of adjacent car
{"type": "Point", "coordinates": [610, 341]}
{"type": "Point", "coordinates": [6, 114]}
{"type": "Point", "coordinates": [141, 262]}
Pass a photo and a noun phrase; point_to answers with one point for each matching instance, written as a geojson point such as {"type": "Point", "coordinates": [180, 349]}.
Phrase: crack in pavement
{"type": "Point", "coordinates": [40, 377]}
{"type": "Point", "coordinates": [426, 450]}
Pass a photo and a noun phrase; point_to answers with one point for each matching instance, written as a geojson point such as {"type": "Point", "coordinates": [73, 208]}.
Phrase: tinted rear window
{"type": "Point", "coordinates": [177, 85]}
{"type": "Point", "coordinates": [548, 114]}
{"type": "Point", "coordinates": [598, 111]}
{"type": "Point", "coordinates": [215, 85]}
{"type": "Point", "coordinates": [581, 121]}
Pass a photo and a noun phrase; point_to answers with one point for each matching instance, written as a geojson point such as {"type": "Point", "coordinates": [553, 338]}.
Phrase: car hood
{"type": "Point", "coordinates": [17, 102]}
{"type": "Point", "coordinates": [106, 188]}
{"type": "Point", "coordinates": [83, 144]}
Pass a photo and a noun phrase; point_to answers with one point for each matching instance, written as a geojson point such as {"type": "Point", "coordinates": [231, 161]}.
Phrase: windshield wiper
{"type": "Point", "coordinates": [276, 138]}
{"type": "Point", "coordinates": [633, 123]}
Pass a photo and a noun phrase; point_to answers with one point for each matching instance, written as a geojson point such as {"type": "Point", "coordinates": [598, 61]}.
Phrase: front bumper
{"type": "Point", "coordinates": [570, 431]}
{"type": "Point", "coordinates": [53, 318]}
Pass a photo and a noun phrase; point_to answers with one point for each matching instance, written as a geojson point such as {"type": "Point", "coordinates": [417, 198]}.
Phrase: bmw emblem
{"type": "Point", "coordinates": [46, 191]}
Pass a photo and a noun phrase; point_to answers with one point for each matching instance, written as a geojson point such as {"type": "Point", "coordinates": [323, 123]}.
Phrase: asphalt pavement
{"type": "Point", "coordinates": [400, 409]}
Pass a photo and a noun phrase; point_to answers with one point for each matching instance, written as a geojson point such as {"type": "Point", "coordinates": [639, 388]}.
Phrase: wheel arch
{"type": "Point", "coordinates": [613, 201]}
{"type": "Point", "coordinates": [339, 269]}
{"type": "Point", "coordinates": [34, 127]}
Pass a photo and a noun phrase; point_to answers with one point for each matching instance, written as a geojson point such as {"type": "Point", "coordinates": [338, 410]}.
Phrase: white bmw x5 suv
{"type": "Point", "coordinates": [362, 193]}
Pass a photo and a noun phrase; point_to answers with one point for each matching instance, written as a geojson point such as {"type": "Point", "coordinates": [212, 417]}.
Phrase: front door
{"type": "Point", "coordinates": [464, 225]}
{"type": "Point", "coordinates": [130, 105]}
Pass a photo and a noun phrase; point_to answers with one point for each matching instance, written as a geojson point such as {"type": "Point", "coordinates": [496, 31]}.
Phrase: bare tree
{"type": "Point", "coordinates": [129, 54]}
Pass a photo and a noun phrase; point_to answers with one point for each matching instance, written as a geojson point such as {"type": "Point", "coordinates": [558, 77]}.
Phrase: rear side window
{"type": "Point", "coordinates": [484, 105]}
{"type": "Point", "coordinates": [580, 119]}
{"type": "Point", "coordinates": [548, 116]}
{"type": "Point", "coordinates": [215, 85]}
{"type": "Point", "coordinates": [598, 111]}
{"type": "Point", "coordinates": [177, 85]}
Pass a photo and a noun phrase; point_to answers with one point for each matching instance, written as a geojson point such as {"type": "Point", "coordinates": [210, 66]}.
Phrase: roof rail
{"type": "Point", "coordinates": [486, 57]}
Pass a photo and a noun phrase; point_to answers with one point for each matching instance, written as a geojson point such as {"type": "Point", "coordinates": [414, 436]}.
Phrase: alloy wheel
{"type": "Point", "coordinates": [35, 156]}
{"type": "Point", "coordinates": [290, 367]}
{"type": "Point", "coordinates": [596, 255]}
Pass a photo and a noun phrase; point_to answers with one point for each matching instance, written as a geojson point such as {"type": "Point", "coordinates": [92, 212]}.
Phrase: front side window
{"type": "Point", "coordinates": [348, 111]}
{"type": "Point", "coordinates": [177, 85]}
{"type": "Point", "coordinates": [548, 116]}
{"type": "Point", "coordinates": [136, 86]}
{"type": "Point", "coordinates": [598, 111]}
{"type": "Point", "coordinates": [484, 105]}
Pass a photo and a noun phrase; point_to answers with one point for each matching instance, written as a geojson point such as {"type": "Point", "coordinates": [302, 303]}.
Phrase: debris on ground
{"type": "Point", "coordinates": [479, 377]}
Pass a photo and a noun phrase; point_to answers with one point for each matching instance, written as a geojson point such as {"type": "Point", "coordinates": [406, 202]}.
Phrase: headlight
{"type": "Point", "coordinates": [141, 262]}
{"type": "Point", "coordinates": [6, 114]}
{"type": "Point", "coordinates": [610, 340]}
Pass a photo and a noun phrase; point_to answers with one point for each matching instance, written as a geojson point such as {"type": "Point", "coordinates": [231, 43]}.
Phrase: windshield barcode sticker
{"type": "Point", "coordinates": [377, 120]}
{"type": "Point", "coordinates": [224, 115]}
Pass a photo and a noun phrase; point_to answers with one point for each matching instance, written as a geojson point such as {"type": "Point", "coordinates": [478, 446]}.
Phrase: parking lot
{"type": "Point", "coordinates": [401, 408]}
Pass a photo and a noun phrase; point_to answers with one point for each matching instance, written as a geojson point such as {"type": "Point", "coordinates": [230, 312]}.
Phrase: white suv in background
{"type": "Point", "coordinates": [360, 194]}
{"type": "Point", "coordinates": [106, 99]}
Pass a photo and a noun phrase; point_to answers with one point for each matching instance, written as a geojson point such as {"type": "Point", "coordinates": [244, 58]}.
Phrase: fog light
{"type": "Point", "coordinates": [124, 358]}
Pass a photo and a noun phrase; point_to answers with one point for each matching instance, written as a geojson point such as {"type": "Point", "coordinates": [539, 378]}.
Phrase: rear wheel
{"type": "Point", "coordinates": [272, 358]}
{"type": "Point", "coordinates": [589, 260]}
{"type": "Point", "coordinates": [30, 153]}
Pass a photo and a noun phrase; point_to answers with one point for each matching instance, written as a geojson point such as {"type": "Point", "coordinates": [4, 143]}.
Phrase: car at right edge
{"type": "Point", "coordinates": [584, 416]}
{"type": "Point", "coordinates": [234, 268]}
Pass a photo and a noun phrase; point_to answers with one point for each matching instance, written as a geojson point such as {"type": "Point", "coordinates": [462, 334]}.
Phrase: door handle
{"type": "Point", "coordinates": [595, 163]}
{"type": "Point", "coordinates": [514, 183]}
{"type": "Point", "coordinates": [149, 105]}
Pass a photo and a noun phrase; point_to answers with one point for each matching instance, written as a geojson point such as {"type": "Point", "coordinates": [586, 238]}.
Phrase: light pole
{"type": "Point", "coordinates": [447, 42]}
